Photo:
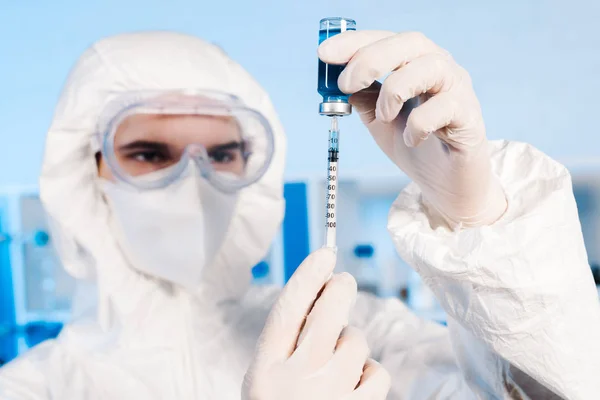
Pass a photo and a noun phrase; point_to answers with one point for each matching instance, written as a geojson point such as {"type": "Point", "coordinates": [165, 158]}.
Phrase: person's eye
{"type": "Point", "coordinates": [222, 156]}
{"type": "Point", "coordinates": [149, 156]}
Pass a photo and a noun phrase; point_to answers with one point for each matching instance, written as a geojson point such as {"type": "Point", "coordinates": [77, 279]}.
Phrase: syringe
{"type": "Point", "coordinates": [332, 184]}
{"type": "Point", "coordinates": [335, 104]}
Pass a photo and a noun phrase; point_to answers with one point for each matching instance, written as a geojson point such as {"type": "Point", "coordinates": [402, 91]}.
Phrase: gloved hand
{"type": "Point", "coordinates": [440, 144]}
{"type": "Point", "coordinates": [328, 360]}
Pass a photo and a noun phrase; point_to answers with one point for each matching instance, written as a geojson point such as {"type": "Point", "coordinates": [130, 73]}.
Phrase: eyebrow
{"type": "Point", "coordinates": [143, 144]}
{"type": "Point", "coordinates": [233, 145]}
{"type": "Point", "coordinates": [157, 146]}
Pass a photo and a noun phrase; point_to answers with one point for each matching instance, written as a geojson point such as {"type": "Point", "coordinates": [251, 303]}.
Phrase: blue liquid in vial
{"type": "Point", "coordinates": [328, 74]}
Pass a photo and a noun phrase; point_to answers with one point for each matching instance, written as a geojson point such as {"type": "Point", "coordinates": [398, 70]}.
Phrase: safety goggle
{"type": "Point", "coordinates": [151, 139]}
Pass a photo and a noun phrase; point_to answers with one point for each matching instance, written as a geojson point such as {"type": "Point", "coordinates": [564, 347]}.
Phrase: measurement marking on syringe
{"type": "Point", "coordinates": [331, 194]}
{"type": "Point", "coordinates": [332, 184]}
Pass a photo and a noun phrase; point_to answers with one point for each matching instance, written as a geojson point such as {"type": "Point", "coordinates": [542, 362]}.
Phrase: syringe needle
{"type": "Point", "coordinates": [334, 124]}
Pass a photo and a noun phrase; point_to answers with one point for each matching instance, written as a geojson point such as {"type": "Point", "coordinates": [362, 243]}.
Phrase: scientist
{"type": "Point", "coordinates": [163, 177]}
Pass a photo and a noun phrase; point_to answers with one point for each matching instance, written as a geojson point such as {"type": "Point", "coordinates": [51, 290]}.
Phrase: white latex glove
{"type": "Point", "coordinates": [452, 166]}
{"type": "Point", "coordinates": [329, 360]}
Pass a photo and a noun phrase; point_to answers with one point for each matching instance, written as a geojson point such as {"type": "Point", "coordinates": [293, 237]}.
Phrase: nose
{"type": "Point", "coordinates": [198, 154]}
{"type": "Point", "coordinates": [195, 150]}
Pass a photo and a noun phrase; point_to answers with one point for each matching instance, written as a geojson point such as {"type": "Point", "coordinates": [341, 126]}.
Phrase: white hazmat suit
{"type": "Point", "coordinates": [523, 312]}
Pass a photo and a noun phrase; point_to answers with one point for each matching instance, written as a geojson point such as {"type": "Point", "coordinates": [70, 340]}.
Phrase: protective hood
{"type": "Point", "coordinates": [69, 184]}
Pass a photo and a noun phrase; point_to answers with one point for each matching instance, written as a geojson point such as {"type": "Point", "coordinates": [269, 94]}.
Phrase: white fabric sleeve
{"type": "Point", "coordinates": [417, 353]}
{"type": "Point", "coordinates": [22, 378]}
{"type": "Point", "coordinates": [519, 294]}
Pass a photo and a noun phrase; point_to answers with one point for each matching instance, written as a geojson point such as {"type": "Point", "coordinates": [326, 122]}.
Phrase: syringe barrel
{"type": "Point", "coordinates": [335, 102]}
{"type": "Point", "coordinates": [332, 185]}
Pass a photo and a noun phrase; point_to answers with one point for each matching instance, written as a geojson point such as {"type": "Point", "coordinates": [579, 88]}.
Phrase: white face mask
{"type": "Point", "coordinates": [171, 233]}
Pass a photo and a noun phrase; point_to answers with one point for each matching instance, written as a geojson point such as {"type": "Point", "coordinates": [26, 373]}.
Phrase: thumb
{"type": "Point", "coordinates": [364, 102]}
{"type": "Point", "coordinates": [287, 317]}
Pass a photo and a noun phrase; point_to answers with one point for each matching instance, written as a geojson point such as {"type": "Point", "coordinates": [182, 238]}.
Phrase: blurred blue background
{"type": "Point", "coordinates": [534, 65]}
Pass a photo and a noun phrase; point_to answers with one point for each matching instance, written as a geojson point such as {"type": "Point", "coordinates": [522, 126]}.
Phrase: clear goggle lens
{"type": "Point", "coordinates": [151, 140]}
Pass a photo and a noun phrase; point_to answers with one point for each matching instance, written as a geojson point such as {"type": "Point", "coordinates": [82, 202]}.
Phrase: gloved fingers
{"type": "Point", "coordinates": [430, 74]}
{"type": "Point", "coordinates": [380, 57]}
{"type": "Point", "coordinates": [280, 334]}
{"type": "Point", "coordinates": [364, 102]}
{"type": "Point", "coordinates": [340, 48]}
{"type": "Point", "coordinates": [374, 384]}
{"type": "Point", "coordinates": [351, 354]}
{"type": "Point", "coordinates": [441, 111]}
{"type": "Point", "coordinates": [326, 321]}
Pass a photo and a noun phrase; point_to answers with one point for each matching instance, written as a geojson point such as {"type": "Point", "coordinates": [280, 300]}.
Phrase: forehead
{"type": "Point", "coordinates": [203, 129]}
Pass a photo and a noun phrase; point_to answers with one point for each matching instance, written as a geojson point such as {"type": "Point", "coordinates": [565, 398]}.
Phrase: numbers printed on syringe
{"type": "Point", "coordinates": [331, 189]}
{"type": "Point", "coordinates": [332, 183]}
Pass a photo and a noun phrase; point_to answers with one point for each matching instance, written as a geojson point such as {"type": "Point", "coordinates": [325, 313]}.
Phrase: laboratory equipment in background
{"type": "Point", "coordinates": [270, 270]}
{"type": "Point", "coordinates": [40, 288]}
{"type": "Point", "coordinates": [421, 299]}
{"type": "Point", "coordinates": [381, 277]}
{"type": "Point", "coordinates": [586, 188]}
{"type": "Point", "coordinates": [48, 287]}
{"type": "Point", "coordinates": [260, 273]}
{"type": "Point", "coordinates": [368, 273]}
{"type": "Point", "coordinates": [596, 275]}
{"type": "Point", "coordinates": [8, 345]}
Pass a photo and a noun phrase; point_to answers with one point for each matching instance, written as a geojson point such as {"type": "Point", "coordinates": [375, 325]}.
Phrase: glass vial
{"type": "Point", "coordinates": [335, 102]}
